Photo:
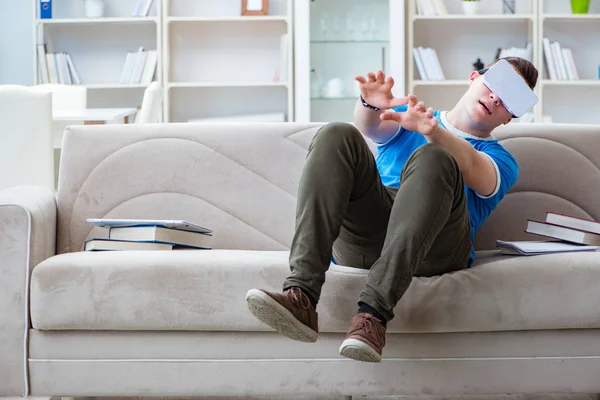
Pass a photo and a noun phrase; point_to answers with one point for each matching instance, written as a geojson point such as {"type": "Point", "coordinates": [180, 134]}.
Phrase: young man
{"type": "Point", "coordinates": [412, 211]}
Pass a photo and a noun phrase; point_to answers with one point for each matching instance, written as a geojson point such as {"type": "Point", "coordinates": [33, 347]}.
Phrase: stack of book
{"type": "Point", "coordinates": [137, 234]}
{"type": "Point", "coordinates": [428, 64]}
{"type": "Point", "coordinates": [568, 234]}
{"type": "Point", "coordinates": [142, 8]}
{"type": "Point", "coordinates": [140, 67]}
{"type": "Point", "coordinates": [56, 67]}
{"type": "Point", "coordinates": [559, 61]}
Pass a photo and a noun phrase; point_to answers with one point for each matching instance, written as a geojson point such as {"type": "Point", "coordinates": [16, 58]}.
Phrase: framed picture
{"type": "Point", "coordinates": [255, 7]}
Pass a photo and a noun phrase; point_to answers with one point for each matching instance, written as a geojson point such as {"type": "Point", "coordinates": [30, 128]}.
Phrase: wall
{"type": "Point", "coordinates": [16, 39]}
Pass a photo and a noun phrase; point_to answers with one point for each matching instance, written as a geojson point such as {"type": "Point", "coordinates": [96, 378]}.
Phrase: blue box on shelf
{"type": "Point", "coordinates": [45, 9]}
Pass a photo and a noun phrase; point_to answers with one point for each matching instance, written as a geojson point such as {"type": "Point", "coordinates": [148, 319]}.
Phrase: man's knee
{"type": "Point", "coordinates": [337, 132]}
{"type": "Point", "coordinates": [433, 154]}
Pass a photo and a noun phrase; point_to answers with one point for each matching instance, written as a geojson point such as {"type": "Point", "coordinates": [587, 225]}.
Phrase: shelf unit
{"type": "Point", "coordinates": [98, 46]}
{"type": "Point", "coordinates": [465, 38]}
{"type": "Point", "coordinates": [571, 101]}
{"type": "Point", "coordinates": [220, 64]}
{"type": "Point", "coordinates": [563, 101]}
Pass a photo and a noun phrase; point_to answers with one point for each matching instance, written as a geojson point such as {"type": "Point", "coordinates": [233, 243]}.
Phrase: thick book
{"type": "Point", "coordinates": [562, 233]}
{"type": "Point", "coordinates": [108, 244]}
{"type": "Point", "coordinates": [167, 223]}
{"type": "Point", "coordinates": [158, 234]}
{"type": "Point", "coordinates": [533, 248]}
{"type": "Point", "coordinates": [573, 222]}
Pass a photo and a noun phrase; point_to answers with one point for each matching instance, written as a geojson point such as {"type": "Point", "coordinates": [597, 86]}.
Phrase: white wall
{"type": "Point", "coordinates": [16, 42]}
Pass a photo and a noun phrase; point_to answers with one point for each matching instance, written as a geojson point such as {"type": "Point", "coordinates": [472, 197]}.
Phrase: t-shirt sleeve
{"type": "Point", "coordinates": [507, 170]}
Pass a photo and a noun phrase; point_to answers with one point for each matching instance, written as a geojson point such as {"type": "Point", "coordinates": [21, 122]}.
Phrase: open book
{"type": "Point", "coordinates": [527, 248]}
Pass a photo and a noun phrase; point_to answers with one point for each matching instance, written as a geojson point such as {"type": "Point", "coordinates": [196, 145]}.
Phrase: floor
{"type": "Point", "coordinates": [470, 397]}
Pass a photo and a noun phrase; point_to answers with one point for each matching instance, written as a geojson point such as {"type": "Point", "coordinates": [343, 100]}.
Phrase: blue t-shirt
{"type": "Point", "coordinates": [393, 154]}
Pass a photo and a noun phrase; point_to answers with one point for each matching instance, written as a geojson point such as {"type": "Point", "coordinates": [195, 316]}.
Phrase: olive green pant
{"type": "Point", "coordinates": [420, 229]}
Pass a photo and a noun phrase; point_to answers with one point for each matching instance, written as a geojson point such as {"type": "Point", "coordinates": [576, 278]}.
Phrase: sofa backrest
{"type": "Point", "coordinates": [241, 179]}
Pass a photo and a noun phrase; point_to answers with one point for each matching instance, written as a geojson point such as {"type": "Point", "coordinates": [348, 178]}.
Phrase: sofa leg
{"type": "Point", "coordinates": [350, 398]}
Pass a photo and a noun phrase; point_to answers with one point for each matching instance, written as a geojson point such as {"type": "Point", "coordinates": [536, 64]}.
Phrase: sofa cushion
{"type": "Point", "coordinates": [205, 291]}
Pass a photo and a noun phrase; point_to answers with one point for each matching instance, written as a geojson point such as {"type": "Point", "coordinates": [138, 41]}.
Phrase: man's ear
{"type": "Point", "coordinates": [508, 120]}
{"type": "Point", "coordinates": [474, 75]}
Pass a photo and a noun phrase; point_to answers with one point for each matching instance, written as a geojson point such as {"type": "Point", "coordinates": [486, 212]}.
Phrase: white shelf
{"type": "Point", "coordinates": [79, 21]}
{"type": "Point", "coordinates": [571, 17]}
{"type": "Point", "coordinates": [579, 82]}
{"type": "Point", "coordinates": [258, 18]}
{"type": "Point", "coordinates": [448, 82]}
{"type": "Point", "coordinates": [479, 17]}
{"type": "Point", "coordinates": [113, 86]}
{"type": "Point", "coordinates": [225, 84]}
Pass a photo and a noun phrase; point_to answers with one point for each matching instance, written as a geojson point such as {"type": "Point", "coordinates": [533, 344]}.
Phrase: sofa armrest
{"type": "Point", "coordinates": [27, 237]}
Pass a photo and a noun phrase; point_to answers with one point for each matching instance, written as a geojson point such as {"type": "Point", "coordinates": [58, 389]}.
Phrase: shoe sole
{"type": "Point", "coordinates": [270, 312]}
{"type": "Point", "coordinates": [359, 351]}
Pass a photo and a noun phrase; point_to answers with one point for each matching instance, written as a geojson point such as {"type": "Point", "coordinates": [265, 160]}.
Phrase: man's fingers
{"type": "Point", "coordinates": [412, 100]}
{"type": "Point", "coordinates": [420, 106]}
{"type": "Point", "coordinates": [371, 77]}
{"type": "Point", "coordinates": [390, 81]}
{"type": "Point", "coordinates": [434, 122]}
{"type": "Point", "coordinates": [380, 77]}
{"type": "Point", "coordinates": [360, 79]}
{"type": "Point", "coordinates": [430, 112]}
{"type": "Point", "coordinates": [398, 101]}
{"type": "Point", "coordinates": [391, 116]}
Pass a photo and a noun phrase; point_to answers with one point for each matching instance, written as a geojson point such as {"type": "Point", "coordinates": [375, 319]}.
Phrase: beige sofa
{"type": "Point", "coordinates": [176, 323]}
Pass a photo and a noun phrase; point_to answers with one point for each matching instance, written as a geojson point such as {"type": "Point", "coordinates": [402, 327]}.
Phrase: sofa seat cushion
{"type": "Point", "coordinates": [205, 291]}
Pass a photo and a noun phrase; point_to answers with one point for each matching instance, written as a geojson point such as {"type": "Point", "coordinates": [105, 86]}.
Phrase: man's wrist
{"type": "Point", "coordinates": [367, 105]}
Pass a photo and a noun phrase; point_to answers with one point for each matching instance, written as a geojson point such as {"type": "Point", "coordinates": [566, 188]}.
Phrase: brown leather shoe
{"type": "Point", "coordinates": [289, 313]}
{"type": "Point", "coordinates": [365, 339]}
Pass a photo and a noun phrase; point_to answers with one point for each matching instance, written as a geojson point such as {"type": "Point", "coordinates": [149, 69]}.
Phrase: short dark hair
{"type": "Point", "coordinates": [525, 68]}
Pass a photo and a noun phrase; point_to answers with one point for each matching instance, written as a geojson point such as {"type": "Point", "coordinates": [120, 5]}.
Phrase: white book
{"type": "Point", "coordinates": [571, 62]}
{"type": "Point", "coordinates": [438, 65]}
{"type": "Point", "coordinates": [59, 69]}
{"type": "Point", "coordinates": [126, 72]}
{"type": "Point", "coordinates": [430, 64]}
{"type": "Point", "coordinates": [573, 222]}
{"type": "Point", "coordinates": [420, 7]}
{"type": "Point", "coordinates": [442, 7]}
{"type": "Point", "coordinates": [570, 75]}
{"type": "Point", "coordinates": [74, 73]}
{"type": "Point", "coordinates": [435, 7]}
{"type": "Point", "coordinates": [549, 59]}
{"type": "Point", "coordinates": [52, 71]}
{"type": "Point", "coordinates": [562, 233]}
{"type": "Point", "coordinates": [532, 248]}
{"type": "Point", "coordinates": [558, 61]}
{"type": "Point", "coordinates": [146, 8]}
{"type": "Point", "coordinates": [419, 64]}
{"type": "Point", "coordinates": [138, 68]}
{"type": "Point", "coordinates": [150, 67]}
{"type": "Point", "coordinates": [429, 8]}
{"type": "Point", "coordinates": [65, 68]}
{"type": "Point", "coordinates": [281, 74]}
{"type": "Point", "coordinates": [43, 63]}
{"type": "Point", "coordinates": [137, 9]}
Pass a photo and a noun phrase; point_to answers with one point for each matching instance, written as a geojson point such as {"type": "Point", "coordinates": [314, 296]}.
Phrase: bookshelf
{"type": "Point", "coordinates": [571, 101]}
{"type": "Point", "coordinates": [219, 64]}
{"type": "Point", "coordinates": [98, 46]}
{"type": "Point", "coordinates": [478, 36]}
{"type": "Point", "coordinates": [465, 38]}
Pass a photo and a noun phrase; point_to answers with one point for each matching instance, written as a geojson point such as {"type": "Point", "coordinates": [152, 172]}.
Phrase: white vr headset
{"type": "Point", "coordinates": [511, 88]}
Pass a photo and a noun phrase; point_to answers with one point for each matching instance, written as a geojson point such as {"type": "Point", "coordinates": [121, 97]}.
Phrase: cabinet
{"type": "Point", "coordinates": [336, 40]}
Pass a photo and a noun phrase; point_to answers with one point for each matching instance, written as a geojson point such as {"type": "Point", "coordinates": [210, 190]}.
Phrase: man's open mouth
{"type": "Point", "coordinates": [485, 106]}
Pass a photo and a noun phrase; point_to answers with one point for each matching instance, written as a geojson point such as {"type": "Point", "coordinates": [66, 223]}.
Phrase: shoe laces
{"type": "Point", "coordinates": [368, 322]}
{"type": "Point", "coordinates": [299, 298]}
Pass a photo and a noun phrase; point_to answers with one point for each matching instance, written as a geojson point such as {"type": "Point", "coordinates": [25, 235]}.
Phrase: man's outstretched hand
{"type": "Point", "coordinates": [376, 89]}
{"type": "Point", "coordinates": [416, 118]}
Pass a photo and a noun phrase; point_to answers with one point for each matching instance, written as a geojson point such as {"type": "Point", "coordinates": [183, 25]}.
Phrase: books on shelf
{"type": "Point", "coordinates": [533, 248]}
{"type": "Point", "coordinates": [429, 8]}
{"type": "Point", "coordinates": [521, 52]}
{"type": "Point", "coordinates": [142, 8]}
{"type": "Point", "coordinates": [559, 61]}
{"type": "Point", "coordinates": [149, 235]}
{"type": "Point", "coordinates": [428, 64]}
{"type": "Point", "coordinates": [140, 67]}
{"type": "Point", "coordinates": [56, 67]}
